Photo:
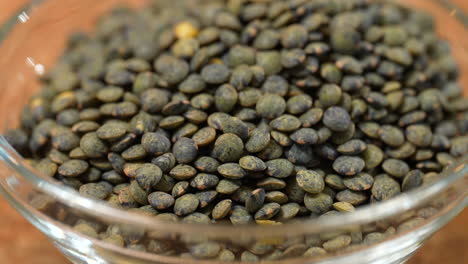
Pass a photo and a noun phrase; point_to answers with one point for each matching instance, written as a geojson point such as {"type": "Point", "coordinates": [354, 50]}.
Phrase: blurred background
{"type": "Point", "coordinates": [20, 242]}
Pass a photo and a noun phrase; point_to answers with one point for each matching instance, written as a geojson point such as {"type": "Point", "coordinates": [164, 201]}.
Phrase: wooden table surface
{"type": "Point", "coordinates": [21, 243]}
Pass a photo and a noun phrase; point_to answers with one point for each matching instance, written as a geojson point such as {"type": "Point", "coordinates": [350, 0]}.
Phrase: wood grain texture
{"type": "Point", "coordinates": [21, 243]}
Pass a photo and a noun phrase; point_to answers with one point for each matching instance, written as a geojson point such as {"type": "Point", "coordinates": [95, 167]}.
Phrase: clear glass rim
{"type": "Point", "coordinates": [366, 214]}
{"type": "Point", "coordinates": [363, 215]}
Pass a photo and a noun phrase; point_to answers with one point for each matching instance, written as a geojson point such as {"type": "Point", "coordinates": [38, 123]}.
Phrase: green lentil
{"type": "Point", "coordinates": [270, 106]}
{"type": "Point", "coordinates": [160, 200]}
{"type": "Point", "coordinates": [228, 148]}
{"type": "Point", "coordinates": [183, 172]}
{"type": "Point", "coordinates": [204, 181]}
{"type": "Point", "coordinates": [252, 163]}
{"type": "Point", "coordinates": [385, 187]}
{"type": "Point", "coordinates": [231, 171]}
{"type": "Point", "coordinates": [148, 175]}
{"type": "Point", "coordinates": [310, 181]}
{"type": "Point", "coordinates": [361, 182]}
{"type": "Point", "coordinates": [279, 168]}
{"type": "Point", "coordinates": [395, 168]}
{"type": "Point", "coordinates": [318, 203]}
{"type": "Point", "coordinates": [348, 165]}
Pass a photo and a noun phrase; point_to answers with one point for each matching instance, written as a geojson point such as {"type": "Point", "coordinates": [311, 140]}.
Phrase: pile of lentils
{"type": "Point", "coordinates": [243, 111]}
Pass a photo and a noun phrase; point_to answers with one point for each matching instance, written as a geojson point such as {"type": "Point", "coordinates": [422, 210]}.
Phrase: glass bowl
{"type": "Point", "coordinates": [393, 230]}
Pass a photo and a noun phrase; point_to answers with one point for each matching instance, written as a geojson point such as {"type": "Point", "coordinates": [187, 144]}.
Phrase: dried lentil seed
{"type": "Point", "coordinates": [310, 181]}
{"type": "Point", "coordinates": [204, 181]}
{"type": "Point", "coordinates": [186, 204]}
{"type": "Point", "coordinates": [385, 187]}
{"type": "Point", "coordinates": [419, 135]}
{"type": "Point", "coordinates": [92, 146]}
{"type": "Point", "coordinates": [227, 186]}
{"type": "Point", "coordinates": [252, 163]}
{"type": "Point", "coordinates": [228, 148]}
{"type": "Point", "coordinates": [391, 135]}
{"type": "Point", "coordinates": [348, 165]}
{"type": "Point", "coordinates": [73, 168]}
{"type": "Point", "coordinates": [271, 184]}
{"type": "Point", "coordinates": [337, 119]}
{"type": "Point", "coordinates": [270, 106]}
{"type": "Point", "coordinates": [165, 162]}
{"type": "Point", "coordinates": [270, 61]}
{"type": "Point", "coordinates": [155, 143]}
{"type": "Point", "coordinates": [285, 123]}
{"type": "Point", "coordinates": [222, 209]}
{"type": "Point", "coordinates": [276, 197]}
{"type": "Point", "coordinates": [352, 197]}
{"type": "Point", "coordinates": [360, 182]}
{"type": "Point", "coordinates": [305, 136]}
{"type": "Point", "coordinates": [135, 152]}
{"type": "Point", "coordinates": [396, 168]}
{"type": "Point", "coordinates": [160, 200]}
{"type": "Point", "coordinates": [183, 172]}
{"type": "Point", "coordinates": [258, 140]}
{"type": "Point", "coordinates": [185, 150]}
{"type": "Point", "coordinates": [412, 180]}
{"type": "Point", "coordinates": [318, 203]}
